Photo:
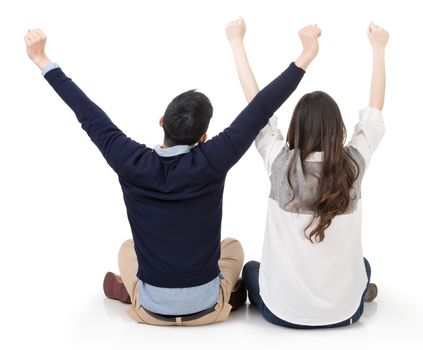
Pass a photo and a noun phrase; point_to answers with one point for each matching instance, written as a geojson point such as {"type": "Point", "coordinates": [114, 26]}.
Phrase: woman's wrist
{"type": "Point", "coordinates": [237, 43]}
{"type": "Point", "coordinates": [378, 51]}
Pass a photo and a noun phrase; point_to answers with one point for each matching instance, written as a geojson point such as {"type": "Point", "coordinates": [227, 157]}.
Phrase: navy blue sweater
{"type": "Point", "coordinates": [174, 204]}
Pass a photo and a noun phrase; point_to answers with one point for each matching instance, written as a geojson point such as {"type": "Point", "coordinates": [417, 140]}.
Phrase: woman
{"type": "Point", "coordinates": [312, 273]}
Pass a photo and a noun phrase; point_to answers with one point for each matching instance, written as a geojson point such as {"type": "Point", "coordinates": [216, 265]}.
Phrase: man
{"type": "Point", "coordinates": [176, 271]}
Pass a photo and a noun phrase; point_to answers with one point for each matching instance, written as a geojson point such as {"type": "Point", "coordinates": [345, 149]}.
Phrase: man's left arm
{"type": "Point", "coordinates": [115, 146]}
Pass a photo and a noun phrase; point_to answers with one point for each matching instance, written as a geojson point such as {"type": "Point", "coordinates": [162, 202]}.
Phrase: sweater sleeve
{"type": "Point", "coordinates": [225, 149]}
{"type": "Point", "coordinates": [115, 146]}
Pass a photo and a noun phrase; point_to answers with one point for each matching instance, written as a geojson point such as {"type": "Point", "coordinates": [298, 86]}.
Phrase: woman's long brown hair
{"type": "Point", "coordinates": [317, 126]}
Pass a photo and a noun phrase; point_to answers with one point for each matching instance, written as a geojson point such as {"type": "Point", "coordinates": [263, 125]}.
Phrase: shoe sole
{"type": "Point", "coordinates": [115, 289]}
{"type": "Point", "coordinates": [372, 293]}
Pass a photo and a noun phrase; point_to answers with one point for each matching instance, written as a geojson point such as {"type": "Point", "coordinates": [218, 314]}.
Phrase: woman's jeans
{"type": "Point", "coordinates": [250, 275]}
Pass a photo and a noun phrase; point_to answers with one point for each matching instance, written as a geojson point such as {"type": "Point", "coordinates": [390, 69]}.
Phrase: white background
{"type": "Point", "coordinates": [62, 216]}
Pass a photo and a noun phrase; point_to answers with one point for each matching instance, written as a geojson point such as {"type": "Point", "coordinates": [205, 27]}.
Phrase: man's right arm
{"type": "Point", "coordinates": [225, 149]}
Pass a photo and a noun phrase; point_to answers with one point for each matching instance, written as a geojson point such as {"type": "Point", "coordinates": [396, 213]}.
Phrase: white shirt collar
{"type": "Point", "coordinates": [315, 157]}
{"type": "Point", "coordinates": [172, 151]}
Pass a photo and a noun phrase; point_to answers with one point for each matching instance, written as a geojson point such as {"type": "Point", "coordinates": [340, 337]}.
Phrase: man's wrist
{"type": "Point", "coordinates": [304, 60]}
{"type": "Point", "coordinates": [47, 68]}
{"type": "Point", "coordinates": [41, 61]}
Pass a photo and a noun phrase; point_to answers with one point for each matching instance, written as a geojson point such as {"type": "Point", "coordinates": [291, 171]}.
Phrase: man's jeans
{"type": "Point", "coordinates": [250, 275]}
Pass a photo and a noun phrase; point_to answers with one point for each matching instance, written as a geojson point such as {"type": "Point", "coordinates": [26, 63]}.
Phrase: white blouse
{"type": "Point", "coordinates": [313, 283]}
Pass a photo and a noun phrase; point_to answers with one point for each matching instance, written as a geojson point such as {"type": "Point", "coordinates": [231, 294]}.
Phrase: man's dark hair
{"type": "Point", "coordinates": [187, 118]}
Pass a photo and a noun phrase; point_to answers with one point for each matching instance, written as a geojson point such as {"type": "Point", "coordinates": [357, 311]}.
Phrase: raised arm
{"type": "Point", "coordinates": [235, 32]}
{"type": "Point", "coordinates": [270, 137]}
{"type": "Point", "coordinates": [115, 146]}
{"type": "Point", "coordinates": [269, 141]}
{"type": "Point", "coordinates": [225, 149]}
{"type": "Point", "coordinates": [378, 38]}
{"type": "Point", "coordinates": [370, 129]}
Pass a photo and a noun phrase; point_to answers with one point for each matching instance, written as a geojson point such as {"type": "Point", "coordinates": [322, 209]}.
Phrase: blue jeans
{"type": "Point", "coordinates": [250, 275]}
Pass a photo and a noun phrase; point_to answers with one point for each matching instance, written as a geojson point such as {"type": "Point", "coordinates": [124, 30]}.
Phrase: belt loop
{"type": "Point", "coordinates": [178, 321]}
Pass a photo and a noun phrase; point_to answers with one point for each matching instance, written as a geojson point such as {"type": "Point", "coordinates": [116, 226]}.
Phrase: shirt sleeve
{"type": "Point", "coordinates": [269, 143]}
{"type": "Point", "coordinates": [115, 146]}
{"type": "Point", "coordinates": [48, 67]}
{"type": "Point", "coordinates": [225, 149]}
{"type": "Point", "coordinates": [368, 133]}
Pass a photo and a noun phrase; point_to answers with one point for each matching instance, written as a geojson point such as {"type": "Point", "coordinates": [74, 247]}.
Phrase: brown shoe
{"type": "Point", "coordinates": [371, 293]}
{"type": "Point", "coordinates": [115, 289]}
{"type": "Point", "coordinates": [238, 295]}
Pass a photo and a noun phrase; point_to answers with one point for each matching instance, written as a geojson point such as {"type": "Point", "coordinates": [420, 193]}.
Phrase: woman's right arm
{"type": "Point", "coordinates": [378, 38]}
{"type": "Point", "coordinates": [371, 128]}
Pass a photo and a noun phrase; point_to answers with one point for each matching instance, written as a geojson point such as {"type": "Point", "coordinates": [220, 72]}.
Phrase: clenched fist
{"type": "Point", "coordinates": [235, 30]}
{"type": "Point", "coordinates": [35, 41]}
{"type": "Point", "coordinates": [378, 36]}
{"type": "Point", "coordinates": [309, 39]}
{"type": "Point", "coordinates": [309, 36]}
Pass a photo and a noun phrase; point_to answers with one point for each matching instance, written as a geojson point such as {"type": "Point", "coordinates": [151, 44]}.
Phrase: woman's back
{"type": "Point", "coordinates": [300, 281]}
{"type": "Point", "coordinates": [313, 273]}
{"type": "Point", "coordinates": [303, 281]}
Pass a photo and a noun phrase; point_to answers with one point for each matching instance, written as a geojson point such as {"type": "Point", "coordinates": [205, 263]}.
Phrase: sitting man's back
{"type": "Point", "coordinates": [175, 270]}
